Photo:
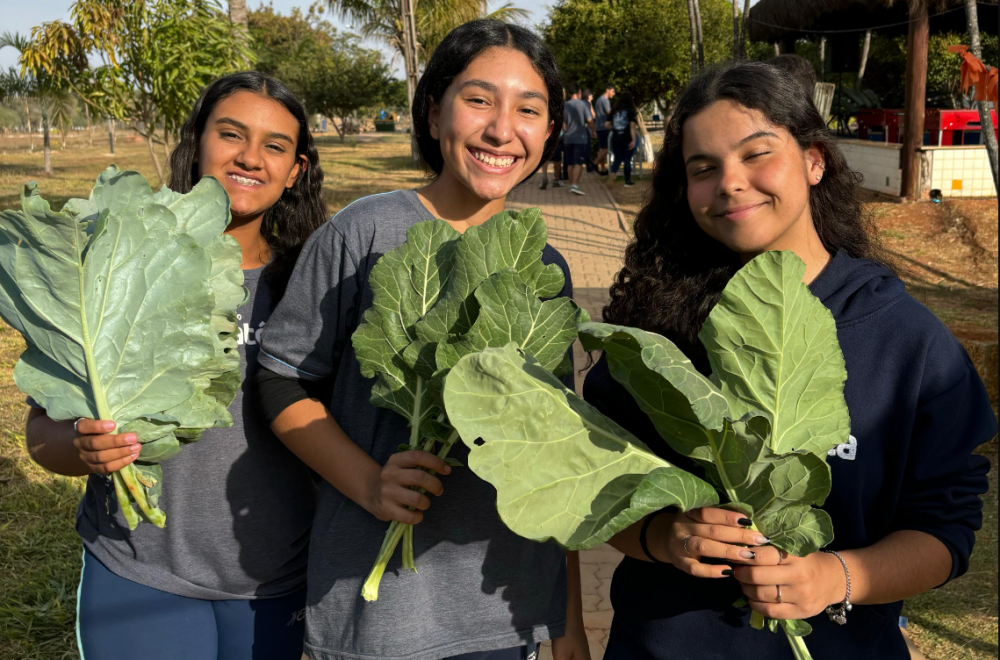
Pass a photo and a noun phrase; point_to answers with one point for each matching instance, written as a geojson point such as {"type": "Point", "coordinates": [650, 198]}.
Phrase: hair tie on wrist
{"type": "Point", "coordinates": [642, 536]}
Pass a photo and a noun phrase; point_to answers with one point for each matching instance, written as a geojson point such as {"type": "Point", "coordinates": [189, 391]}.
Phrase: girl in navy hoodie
{"type": "Point", "coordinates": [749, 166]}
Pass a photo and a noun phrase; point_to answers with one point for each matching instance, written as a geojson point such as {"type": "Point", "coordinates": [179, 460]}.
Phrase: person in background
{"type": "Point", "coordinates": [799, 68]}
{"type": "Point", "coordinates": [578, 128]}
{"type": "Point", "coordinates": [623, 123]}
{"type": "Point", "coordinates": [225, 579]}
{"type": "Point", "coordinates": [556, 161]}
{"type": "Point", "coordinates": [485, 115]}
{"type": "Point", "coordinates": [602, 108]}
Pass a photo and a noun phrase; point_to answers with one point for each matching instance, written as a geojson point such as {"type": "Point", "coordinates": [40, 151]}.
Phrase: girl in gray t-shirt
{"type": "Point", "coordinates": [485, 115]}
{"type": "Point", "coordinates": [225, 579]}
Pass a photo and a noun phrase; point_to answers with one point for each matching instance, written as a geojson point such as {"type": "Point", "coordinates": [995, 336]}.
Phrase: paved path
{"type": "Point", "coordinates": [588, 231]}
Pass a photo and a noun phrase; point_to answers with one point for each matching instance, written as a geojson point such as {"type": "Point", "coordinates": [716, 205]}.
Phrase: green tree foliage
{"type": "Point", "coordinates": [155, 57]}
{"type": "Point", "coordinates": [642, 46]}
{"type": "Point", "coordinates": [283, 43]}
{"type": "Point", "coordinates": [381, 19]}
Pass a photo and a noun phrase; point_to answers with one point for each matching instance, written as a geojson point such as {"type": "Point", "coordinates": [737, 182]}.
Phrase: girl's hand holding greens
{"type": "Point", "coordinates": [403, 484]}
{"type": "Point", "coordinates": [102, 451]}
{"type": "Point", "coordinates": [685, 538]}
{"type": "Point", "coordinates": [808, 586]}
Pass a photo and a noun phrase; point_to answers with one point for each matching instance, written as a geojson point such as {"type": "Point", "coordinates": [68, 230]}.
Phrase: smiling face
{"type": "Point", "coordinates": [748, 180]}
{"type": "Point", "coordinates": [248, 144]}
{"type": "Point", "coordinates": [492, 123]}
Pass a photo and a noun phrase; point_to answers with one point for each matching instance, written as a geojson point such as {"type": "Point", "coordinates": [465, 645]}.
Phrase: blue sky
{"type": "Point", "coordinates": [21, 16]}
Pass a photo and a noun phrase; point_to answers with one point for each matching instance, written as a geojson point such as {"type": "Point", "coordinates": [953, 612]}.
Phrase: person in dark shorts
{"type": "Point", "coordinates": [578, 129]}
{"type": "Point", "coordinates": [602, 108]}
{"type": "Point", "coordinates": [556, 161]}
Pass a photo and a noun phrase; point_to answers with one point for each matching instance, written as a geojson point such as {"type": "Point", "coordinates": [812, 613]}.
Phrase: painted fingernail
{"type": "Point", "coordinates": [728, 572]}
{"type": "Point", "coordinates": [760, 539]}
{"type": "Point", "coordinates": [747, 554]}
{"type": "Point", "coordinates": [746, 522]}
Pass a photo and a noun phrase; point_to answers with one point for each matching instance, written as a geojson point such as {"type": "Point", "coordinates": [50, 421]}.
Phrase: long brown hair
{"type": "Point", "coordinates": [674, 273]}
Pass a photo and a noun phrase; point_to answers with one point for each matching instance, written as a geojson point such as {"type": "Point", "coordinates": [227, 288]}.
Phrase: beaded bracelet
{"type": "Point", "coordinates": [838, 612]}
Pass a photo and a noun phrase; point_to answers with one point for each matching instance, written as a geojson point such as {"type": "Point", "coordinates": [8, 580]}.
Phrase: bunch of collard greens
{"type": "Point", "coordinates": [442, 295]}
{"type": "Point", "coordinates": [127, 303]}
{"type": "Point", "coordinates": [761, 426]}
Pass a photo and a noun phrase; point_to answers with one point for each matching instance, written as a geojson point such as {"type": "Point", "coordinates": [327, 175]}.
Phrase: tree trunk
{"type": "Point", "coordinates": [916, 92]}
{"type": "Point", "coordinates": [701, 36]}
{"type": "Point", "coordinates": [46, 144]}
{"type": "Point", "coordinates": [150, 129]}
{"type": "Point", "coordinates": [27, 118]}
{"type": "Point", "coordinates": [111, 137]}
{"type": "Point", "coordinates": [985, 117]}
{"type": "Point", "coordinates": [694, 38]}
{"type": "Point", "coordinates": [408, 13]}
{"type": "Point", "coordinates": [736, 31]}
{"type": "Point", "coordinates": [743, 27]}
{"type": "Point", "coordinates": [822, 58]}
{"type": "Point", "coordinates": [238, 12]}
{"type": "Point", "coordinates": [864, 57]}
{"type": "Point", "coordinates": [90, 132]}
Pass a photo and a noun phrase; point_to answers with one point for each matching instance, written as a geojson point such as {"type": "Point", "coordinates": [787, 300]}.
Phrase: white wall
{"type": "Point", "coordinates": [877, 162]}
{"type": "Point", "coordinates": [961, 171]}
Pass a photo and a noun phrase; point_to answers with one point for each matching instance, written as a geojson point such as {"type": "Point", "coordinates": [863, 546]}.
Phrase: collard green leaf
{"type": "Point", "coordinates": [561, 469]}
{"type": "Point", "coordinates": [507, 240]}
{"type": "Point", "coordinates": [128, 310]}
{"type": "Point", "coordinates": [773, 349]}
{"type": "Point", "coordinates": [510, 312]}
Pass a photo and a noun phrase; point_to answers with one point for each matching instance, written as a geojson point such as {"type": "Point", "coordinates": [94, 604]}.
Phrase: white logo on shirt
{"type": "Point", "coordinates": [847, 451]}
{"type": "Point", "coordinates": [246, 332]}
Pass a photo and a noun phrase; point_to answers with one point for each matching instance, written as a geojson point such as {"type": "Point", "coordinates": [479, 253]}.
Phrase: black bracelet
{"type": "Point", "coordinates": [642, 536]}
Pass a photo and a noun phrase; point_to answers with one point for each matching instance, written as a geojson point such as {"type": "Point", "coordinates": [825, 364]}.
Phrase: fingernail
{"type": "Point", "coordinates": [108, 426]}
{"type": "Point", "coordinates": [728, 572]}
{"type": "Point", "coordinates": [746, 522]}
{"type": "Point", "coordinates": [131, 439]}
{"type": "Point", "coordinates": [135, 450]}
{"type": "Point", "coordinates": [747, 554]}
{"type": "Point", "coordinates": [760, 539]}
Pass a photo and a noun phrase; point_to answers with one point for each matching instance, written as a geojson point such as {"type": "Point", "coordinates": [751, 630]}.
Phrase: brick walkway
{"type": "Point", "coordinates": [589, 233]}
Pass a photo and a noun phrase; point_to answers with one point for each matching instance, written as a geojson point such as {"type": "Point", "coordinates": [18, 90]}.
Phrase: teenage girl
{"type": "Point", "coordinates": [623, 124]}
{"type": "Point", "coordinates": [226, 578]}
{"type": "Point", "coordinates": [490, 91]}
{"type": "Point", "coordinates": [749, 166]}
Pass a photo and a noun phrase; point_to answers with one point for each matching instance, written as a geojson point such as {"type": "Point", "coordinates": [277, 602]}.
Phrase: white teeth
{"type": "Point", "coordinates": [494, 161]}
{"type": "Point", "coordinates": [242, 180]}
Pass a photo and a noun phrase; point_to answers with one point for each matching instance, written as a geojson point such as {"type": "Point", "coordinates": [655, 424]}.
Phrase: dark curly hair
{"type": "Point", "coordinates": [455, 53]}
{"type": "Point", "coordinates": [299, 211]}
{"type": "Point", "coordinates": [674, 273]}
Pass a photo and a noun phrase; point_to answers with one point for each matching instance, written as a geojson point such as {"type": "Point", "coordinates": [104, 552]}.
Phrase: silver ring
{"type": "Point", "coordinates": [686, 551]}
{"type": "Point", "coordinates": [778, 587]}
{"type": "Point", "coordinates": [76, 424]}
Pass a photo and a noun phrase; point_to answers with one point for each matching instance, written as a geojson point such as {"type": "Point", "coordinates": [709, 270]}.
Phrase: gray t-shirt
{"type": "Point", "coordinates": [602, 108]}
{"type": "Point", "coordinates": [576, 112]}
{"type": "Point", "coordinates": [479, 586]}
{"type": "Point", "coordinates": [239, 504]}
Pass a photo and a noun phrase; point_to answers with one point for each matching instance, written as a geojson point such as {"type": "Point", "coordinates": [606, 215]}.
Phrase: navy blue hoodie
{"type": "Point", "coordinates": [918, 410]}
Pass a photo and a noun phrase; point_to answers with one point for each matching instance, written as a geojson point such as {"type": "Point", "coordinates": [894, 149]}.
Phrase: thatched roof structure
{"type": "Point", "coordinates": [777, 20]}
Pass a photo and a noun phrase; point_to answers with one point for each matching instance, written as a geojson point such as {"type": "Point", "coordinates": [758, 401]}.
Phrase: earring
{"type": "Point", "coordinates": [819, 176]}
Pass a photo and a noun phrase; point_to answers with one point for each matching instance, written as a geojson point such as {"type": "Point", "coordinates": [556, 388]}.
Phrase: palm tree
{"type": "Point", "coordinates": [14, 87]}
{"type": "Point", "coordinates": [382, 19]}
{"type": "Point", "coordinates": [41, 88]}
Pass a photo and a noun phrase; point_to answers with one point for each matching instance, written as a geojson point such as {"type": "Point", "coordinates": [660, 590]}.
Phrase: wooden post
{"type": "Point", "coordinates": [916, 92]}
{"type": "Point", "coordinates": [864, 57]}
